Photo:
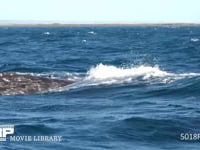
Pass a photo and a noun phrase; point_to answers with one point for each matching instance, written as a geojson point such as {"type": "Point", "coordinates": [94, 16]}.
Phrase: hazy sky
{"type": "Point", "coordinates": [102, 11]}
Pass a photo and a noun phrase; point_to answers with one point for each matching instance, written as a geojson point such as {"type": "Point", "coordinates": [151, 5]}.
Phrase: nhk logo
{"type": "Point", "coordinates": [5, 130]}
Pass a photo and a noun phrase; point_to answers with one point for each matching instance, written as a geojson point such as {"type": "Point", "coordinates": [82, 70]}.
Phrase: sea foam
{"type": "Point", "coordinates": [194, 39]}
{"type": "Point", "coordinates": [92, 32]}
{"type": "Point", "coordinates": [108, 74]}
{"type": "Point", "coordinates": [103, 72]}
{"type": "Point", "coordinates": [46, 33]}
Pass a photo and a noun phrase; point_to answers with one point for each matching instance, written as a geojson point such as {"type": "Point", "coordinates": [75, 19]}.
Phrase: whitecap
{"type": "Point", "coordinates": [102, 74]}
{"type": "Point", "coordinates": [92, 32]}
{"type": "Point", "coordinates": [47, 33]}
{"type": "Point", "coordinates": [194, 39]}
{"type": "Point", "coordinates": [109, 74]}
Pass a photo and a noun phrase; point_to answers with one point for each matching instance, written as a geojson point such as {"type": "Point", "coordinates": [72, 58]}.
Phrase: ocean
{"type": "Point", "coordinates": [135, 88]}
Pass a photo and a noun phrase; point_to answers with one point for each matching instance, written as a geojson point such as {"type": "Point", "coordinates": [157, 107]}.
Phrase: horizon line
{"type": "Point", "coordinates": [98, 24]}
{"type": "Point", "coordinates": [7, 21]}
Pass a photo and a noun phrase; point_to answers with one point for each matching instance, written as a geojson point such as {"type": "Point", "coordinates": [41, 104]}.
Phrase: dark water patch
{"type": "Point", "coordinates": [152, 130]}
{"type": "Point", "coordinates": [35, 129]}
{"type": "Point", "coordinates": [51, 108]}
{"type": "Point", "coordinates": [181, 88]}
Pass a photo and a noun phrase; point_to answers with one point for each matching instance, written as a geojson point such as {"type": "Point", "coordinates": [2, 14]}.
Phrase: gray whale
{"type": "Point", "coordinates": [19, 84]}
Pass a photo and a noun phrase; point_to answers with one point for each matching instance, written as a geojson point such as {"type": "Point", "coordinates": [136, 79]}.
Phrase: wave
{"type": "Point", "coordinates": [92, 32]}
{"type": "Point", "coordinates": [194, 39]}
{"type": "Point", "coordinates": [153, 129]}
{"type": "Point", "coordinates": [46, 33]}
{"type": "Point", "coordinates": [33, 129]}
{"type": "Point", "coordinates": [112, 74]}
{"type": "Point", "coordinates": [108, 75]}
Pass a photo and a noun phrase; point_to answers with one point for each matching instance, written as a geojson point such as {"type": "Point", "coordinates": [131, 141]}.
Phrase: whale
{"type": "Point", "coordinates": [24, 84]}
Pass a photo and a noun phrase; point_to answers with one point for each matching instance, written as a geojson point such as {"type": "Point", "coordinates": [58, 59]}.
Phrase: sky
{"type": "Point", "coordinates": [102, 11]}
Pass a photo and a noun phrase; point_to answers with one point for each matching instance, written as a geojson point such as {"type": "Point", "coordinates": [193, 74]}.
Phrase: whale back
{"type": "Point", "coordinates": [15, 84]}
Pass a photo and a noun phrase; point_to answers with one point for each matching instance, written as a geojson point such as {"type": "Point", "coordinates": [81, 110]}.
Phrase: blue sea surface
{"type": "Point", "coordinates": [136, 88]}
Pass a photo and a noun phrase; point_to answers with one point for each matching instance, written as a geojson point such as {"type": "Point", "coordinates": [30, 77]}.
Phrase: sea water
{"type": "Point", "coordinates": [134, 87]}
